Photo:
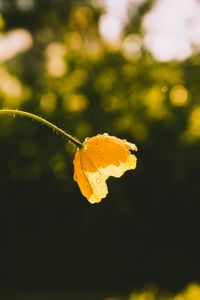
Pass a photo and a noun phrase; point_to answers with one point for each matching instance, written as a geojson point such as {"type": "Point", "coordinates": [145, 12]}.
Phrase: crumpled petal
{"type": "Point", "coordinates": [101, 157]}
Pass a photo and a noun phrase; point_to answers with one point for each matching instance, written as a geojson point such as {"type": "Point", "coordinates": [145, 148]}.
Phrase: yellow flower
{"type": "Point", "coordinates": [100, 157]}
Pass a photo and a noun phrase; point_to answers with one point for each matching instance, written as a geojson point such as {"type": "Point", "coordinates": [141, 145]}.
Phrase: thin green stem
{"type": "Point", "coordinates": [43, 121]}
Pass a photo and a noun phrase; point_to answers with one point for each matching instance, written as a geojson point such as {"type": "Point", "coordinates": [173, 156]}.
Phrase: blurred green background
{"type": "Point", "coordinates": [72, 63]}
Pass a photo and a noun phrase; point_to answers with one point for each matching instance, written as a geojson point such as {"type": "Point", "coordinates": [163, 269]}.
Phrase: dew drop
{"type": "Point", "coordinates": [98, 180]}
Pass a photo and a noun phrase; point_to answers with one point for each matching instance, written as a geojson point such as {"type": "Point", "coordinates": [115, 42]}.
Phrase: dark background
{"type": "Point", "coordinates": [146, 232]}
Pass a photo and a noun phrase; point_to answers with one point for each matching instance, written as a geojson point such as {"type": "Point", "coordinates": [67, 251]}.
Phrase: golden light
{"type": "Point", "coordinates": [154, 103]}
{"type": "Point", "coordinates": [55, 59]}
{"type": "Point", "coordinates": [2, 22]}
{"type": "Point", "coordinates": [78, 77]}
{"type": "Point", "coordinates": [164, 89]}
{"type": "Point", "coordinates": [192, 132]}
{"type": "Point", "coordinates": [75, 103]}
{"type": "Point", "coordinates": [12, 90]}
{"type": "Point", "coordinates": [179, 297]}
{"type": "Point", "coordinates": [178, 95]}
{"type": "Point", "coordinates": [73, 40]}
{"type": "Point", "coordinates": [192, 292]}
{"type": "Point", "coordinates": [148, 295]}
{"type": "Point", "coordinates": [83, 16]}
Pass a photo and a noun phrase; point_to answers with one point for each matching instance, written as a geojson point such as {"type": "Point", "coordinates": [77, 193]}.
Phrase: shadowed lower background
{"type": "Point", "coordinates": [93, 67]}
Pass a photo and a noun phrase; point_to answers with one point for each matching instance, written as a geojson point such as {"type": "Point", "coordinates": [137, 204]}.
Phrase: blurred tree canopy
{"type": "Point", "coordinates": [147, 229]}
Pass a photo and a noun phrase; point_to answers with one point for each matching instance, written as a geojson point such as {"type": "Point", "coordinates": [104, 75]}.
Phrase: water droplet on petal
{"type": "Point", "coordinates": [98, 180]}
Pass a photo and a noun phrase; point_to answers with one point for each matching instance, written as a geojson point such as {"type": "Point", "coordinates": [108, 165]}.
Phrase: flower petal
{"type": "Point", "coordinates": [112, 166]}
{"type": "Point", "coordinates": [105, 150]}
{"type": "Point", "coordinates": [101, 157]}
{"type": "Point", "coordinates": [80, 178]}
{"type": "Point", "coordinates": [95, 178]}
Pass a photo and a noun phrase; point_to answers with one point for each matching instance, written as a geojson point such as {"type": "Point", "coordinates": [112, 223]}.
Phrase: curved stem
{"type": "Point", "coordinates": [43, 121]}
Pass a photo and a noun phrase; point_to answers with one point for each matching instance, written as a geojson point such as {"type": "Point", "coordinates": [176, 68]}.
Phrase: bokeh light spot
{"type": "Point", "coordinates": [83, 16]}
{"type": "Point", "coordinates": [25, 5]}
{"type": "Point", "coordinates": [178, 95]}
{"type": "Point", "coordinates": [131, 47]}
{"type": "Point", "coordinates": [12, 90]}
{"type": "Point", "coordinates": [55, 63]}
{"type": "Point", "coordinates": [48, 102]}
{"type": "Point", "coordinates": [14, 42]}
{"type": "Point", "coordinates": [75, 103]}
{"type": "Point", "coordinates": [193, 130]}
{"type": "Point", "coordinates": [110, 28]}
{"type": "Point", "coordinates": [164, 89]}
{"type": "Point", "coordinates": [154, 103]}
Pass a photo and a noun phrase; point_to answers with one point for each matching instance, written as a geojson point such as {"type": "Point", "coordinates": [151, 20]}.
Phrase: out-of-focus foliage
{"type": "Point", "coordinates": [56, 64]}
{"type": "Point", "coordinates": [191, 292]}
